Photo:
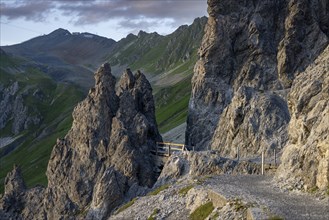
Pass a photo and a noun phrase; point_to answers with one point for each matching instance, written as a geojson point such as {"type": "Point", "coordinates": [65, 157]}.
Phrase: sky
{"type": "Point", "coordinates": [22, 20]}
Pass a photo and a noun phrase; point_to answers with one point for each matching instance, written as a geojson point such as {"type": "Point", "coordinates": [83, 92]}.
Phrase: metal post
{"type": "Point", "coordinates": [169, 151]}
{"type": "Point", "coordinates": [237, 153]}
{"type": "Point", "coordinates": [263, 163]}
{"type": "Point", "coordinates": [274, 157]}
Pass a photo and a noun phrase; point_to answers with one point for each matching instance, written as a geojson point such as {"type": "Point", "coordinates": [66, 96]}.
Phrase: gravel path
{"type": "Point", "coordinates": [261, 190]}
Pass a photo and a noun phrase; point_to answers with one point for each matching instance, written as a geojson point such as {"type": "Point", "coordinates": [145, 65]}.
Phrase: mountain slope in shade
{"type": "Point", "coordinates": [44, 84]}
{"type": "Point", "coordinates": [168, 63]}
{"type": "Point", "coordinates": [66, 56]}
{"type": "Point", "coordinates": [35, 111]}
{"type": "Point", "coordinates": [104, 158]}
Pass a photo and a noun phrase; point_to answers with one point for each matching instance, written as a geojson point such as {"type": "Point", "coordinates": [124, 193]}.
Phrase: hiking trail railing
{"type": "Point", "coordinates": [167, 148]}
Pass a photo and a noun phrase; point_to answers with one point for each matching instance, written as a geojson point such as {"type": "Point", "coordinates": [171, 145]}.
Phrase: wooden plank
{"type": "Point", "coordinates": [172, 144]}
{"type": "Point", "coordinates": [172, 148]}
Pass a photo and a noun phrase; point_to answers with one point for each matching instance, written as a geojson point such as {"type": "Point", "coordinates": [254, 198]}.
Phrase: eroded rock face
{"type": "Point", "coordinates": [191, 164]}
{"type": "Point", "coordinates": [107, 150]}
{"type": "Point", "coordinates": [18, 202]}
{"type": "Point", "coordinates": [13, 107]}
{"type": "Point", "coordinates": [15, 187]}
{"type": "Point", "coordinates": [306, 158]}
{"type": "Point", "coordinates": [249, 56]}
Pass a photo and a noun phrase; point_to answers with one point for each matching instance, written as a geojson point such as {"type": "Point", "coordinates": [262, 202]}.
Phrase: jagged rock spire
{"type": "Point", "coordinates": [110, 142]}
{"type": "Point", "coordinates": [14, 182]}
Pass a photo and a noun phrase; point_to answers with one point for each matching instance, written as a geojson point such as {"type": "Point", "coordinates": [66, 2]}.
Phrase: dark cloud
{"type": "Point", "coordinates": [134, 26]}
{"type": "Point", "coordinates": [28, 10]}
{"type": "Point", "coordinates": [130, 12]}
{"type": "Point", "coordinates": [98, 11]}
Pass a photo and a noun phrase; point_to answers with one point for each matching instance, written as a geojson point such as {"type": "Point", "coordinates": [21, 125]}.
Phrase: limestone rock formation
{"type": "Point", "coordinates": [250, 54]}
{"type": "Point", "coordinates": [18, 202]}
{"type": "Point", "coordinates": [14, 190]}
{"type": "Point", "coordinates": [108, 147]}
{"type": "Point", "coordinates": [305, 160]}
{"type": "Point", "coordinates": [13, 107]}
{"type": "Point", "coordinates": [107, 150]}
{"type": "Point", "coordinates": [195, 164]}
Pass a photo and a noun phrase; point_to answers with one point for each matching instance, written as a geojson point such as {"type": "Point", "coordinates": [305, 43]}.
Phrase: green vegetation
{"type": "Point", "coordinates": [53, 103]}
{"type": "Point", "coordinates": [185, 190]}
{"type": "Point", "coordinates": [127, 205]}
{"type": "Point", "coordinates": [155, 212]}
{"type": "Point", "coordinates": [172, 105]}
{"type": "Point", "coordinates": [202, 212]}
{"type": "Point", "coordinates": [275, 217]}
{"type": "Point", "coordinates": [214, 217]}
{"type": "Point", "coordinates": [158, 190]}
{"type": "Point", "coordinates": [173, 55]}
{"type": "Point", "coordinates": [313, 189]}
{"type": "Point", "coordinates": [173, 58]}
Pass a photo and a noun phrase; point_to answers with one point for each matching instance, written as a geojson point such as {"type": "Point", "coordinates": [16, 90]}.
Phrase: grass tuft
{"type": "Point", "coordinates": [314, 189]}
{"type": "Point", "coordinates": [214, 217]}
{"type": "Point", "coordinates": [158, 190]}
{"type": "Point", "coordinates": [275, 217]}
{"type": "Point", "coordinates": [185, 190]}
{"type": "Point", "coordinates": [127, 205]}
{"type": "Point", "coordinates": [202, 212]}
{"type": "Point", "coordinates": [155, 212]}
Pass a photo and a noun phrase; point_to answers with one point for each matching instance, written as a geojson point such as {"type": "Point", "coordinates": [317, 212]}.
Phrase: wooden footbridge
{"type": "Point", "coordinates": [165, 149]}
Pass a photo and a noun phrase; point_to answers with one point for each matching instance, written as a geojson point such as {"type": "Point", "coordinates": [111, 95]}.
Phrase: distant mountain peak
{"type": "Point", "coordinates": [142, 33]}
{"type": "Point", "coordinates": [60, 31]}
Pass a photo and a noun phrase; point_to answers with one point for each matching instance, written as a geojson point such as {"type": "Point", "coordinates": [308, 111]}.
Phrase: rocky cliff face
{"type": "Point", "coordinates": [106, 152]}
{"type": "Point", "coordinates": [18, 202]}
{"type": "Point", "coordinates": [305, 161]}
{"type": "Point", "coordinates": [249, 57]}
{"type": "Point", "coordinates": [13, 108]}
{"type": "Point", "coordinates": [195, 164]}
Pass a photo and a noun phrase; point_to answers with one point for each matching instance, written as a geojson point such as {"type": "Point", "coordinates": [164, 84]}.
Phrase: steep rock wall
{"type": "Point", "coordinates": [305, 161]}
{"type": "Point", "coordinates": [249, 56]}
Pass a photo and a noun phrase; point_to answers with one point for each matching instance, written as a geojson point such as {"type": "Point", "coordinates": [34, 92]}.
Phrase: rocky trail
{"type": "Point", "coordinates": [261, 190]}
{"type": "Point", "coordinates": [257, 196]}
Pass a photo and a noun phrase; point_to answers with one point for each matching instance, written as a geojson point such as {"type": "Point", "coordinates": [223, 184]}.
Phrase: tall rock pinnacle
{"type": "Point", "coordinates": [105, 153]}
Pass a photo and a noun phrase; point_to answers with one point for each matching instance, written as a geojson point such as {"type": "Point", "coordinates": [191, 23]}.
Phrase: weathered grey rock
{"type": "Point", "coordinates": [11, 202]}
{"type": "Point", "coordinates": [195, 164]}
{"type": "Point", "coordinates": [106, 152]}
{"type": "Point", "coordinates": [250, 54]}
{"type": "Point", "coordinates": [18, 202]}
{"type": "Point", "coordinates": [306, 158]}
{"type": "Point", "coordinates": [13, 107]}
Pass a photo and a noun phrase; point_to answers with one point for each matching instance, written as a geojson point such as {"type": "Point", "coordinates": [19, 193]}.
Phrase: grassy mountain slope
{"type": "Point", "coordinates": [53, 72]}
{"type": "Point", "coordinates": [168, 62]}
{"type": "Point", "coordinates": [67, 56]}
{"type": "Point", "coordinates": [53, 103]}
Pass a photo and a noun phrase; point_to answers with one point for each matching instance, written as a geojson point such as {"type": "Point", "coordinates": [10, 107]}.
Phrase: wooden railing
{"type": "Point", "coordinates": [166, 148]}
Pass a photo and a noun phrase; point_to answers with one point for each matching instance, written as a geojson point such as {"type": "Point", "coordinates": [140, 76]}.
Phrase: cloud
{"type": "Point", "coordinates": [145, 24]}
{"type": "Point", "coordinates": [88, 12]}
{"type": "Point", "coordinates": [28, 10]}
